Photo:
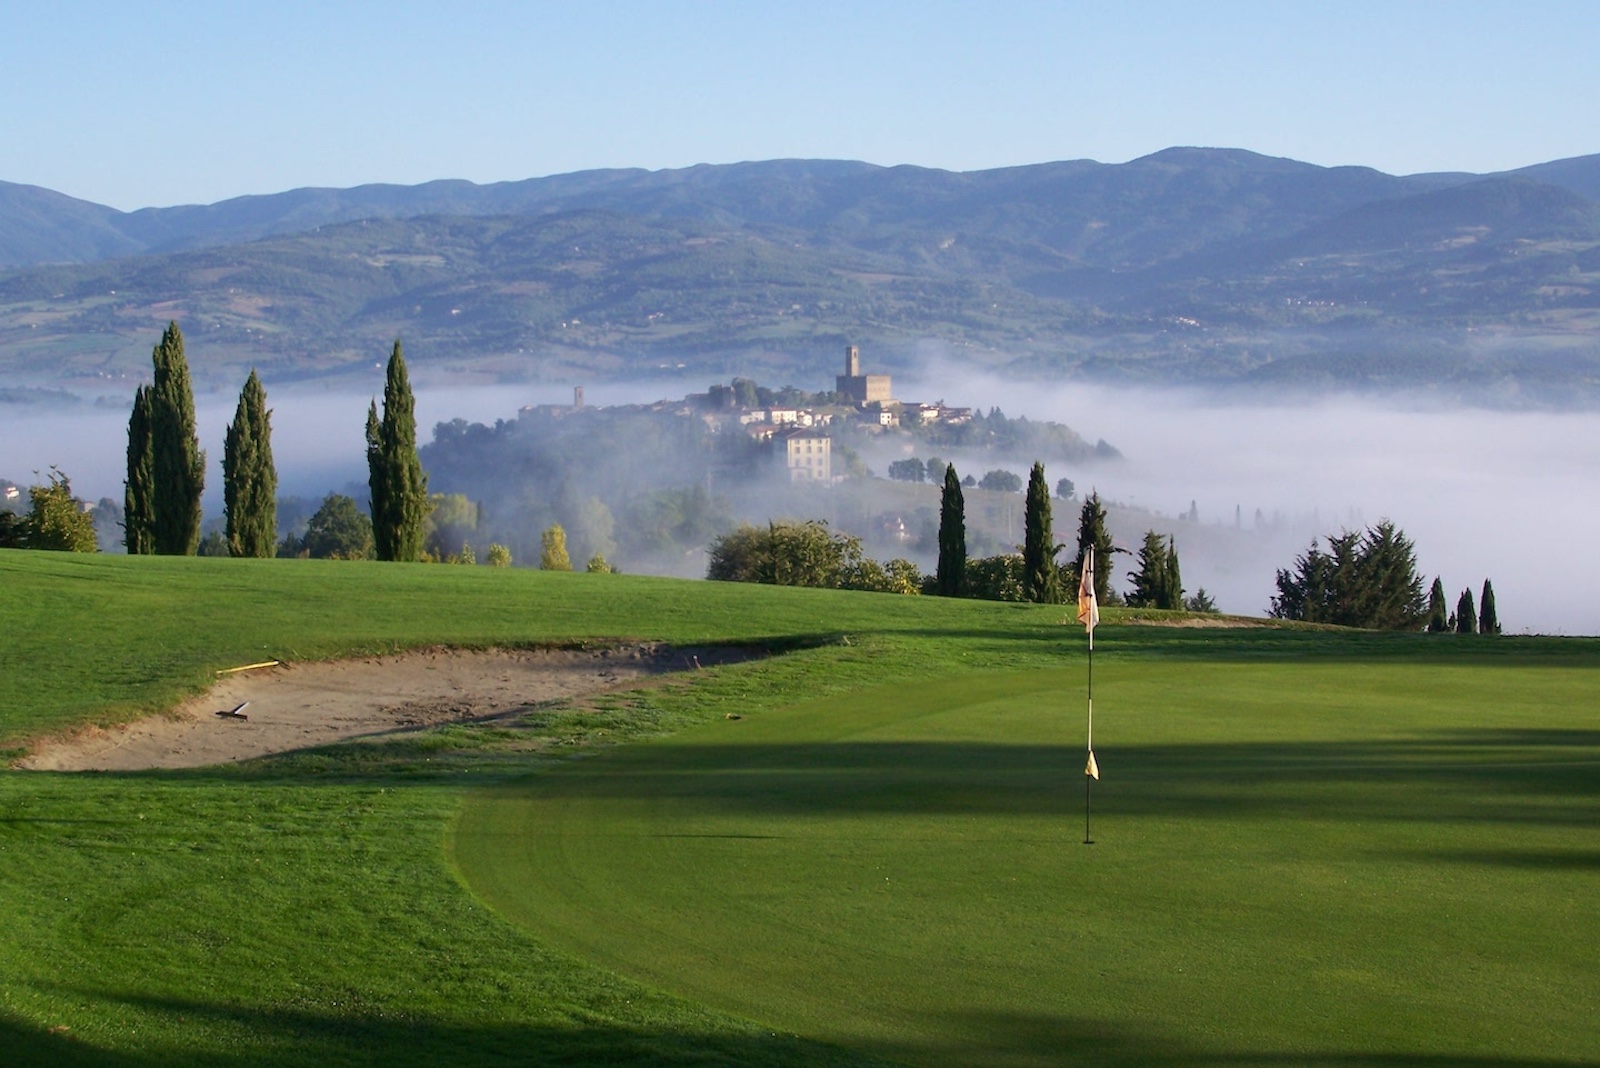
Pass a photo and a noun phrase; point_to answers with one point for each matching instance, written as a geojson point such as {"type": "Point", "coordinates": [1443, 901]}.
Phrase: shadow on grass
{"type": "Point", "coordinates": [1518, 777]}
{"type": "Point", "coordinates": [1270, 642]}
{"type": "Point", "coordinates": [285, 1037]}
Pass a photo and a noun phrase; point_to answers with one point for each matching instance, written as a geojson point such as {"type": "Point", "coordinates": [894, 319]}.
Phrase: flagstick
{"type": "Point", "coordinates": [1088, 780]}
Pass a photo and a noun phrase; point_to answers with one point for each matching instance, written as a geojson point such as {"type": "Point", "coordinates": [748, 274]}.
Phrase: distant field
{"type": "Point", "coordinates": [1314, 847]}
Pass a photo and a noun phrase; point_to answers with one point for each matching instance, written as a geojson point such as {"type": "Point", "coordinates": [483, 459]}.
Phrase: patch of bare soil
{"type": "Point", "coordinates": [297, 706]}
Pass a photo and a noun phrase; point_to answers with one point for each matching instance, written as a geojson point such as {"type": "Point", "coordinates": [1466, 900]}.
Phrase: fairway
{"type": "Point", "coordinates": [1339, 861]}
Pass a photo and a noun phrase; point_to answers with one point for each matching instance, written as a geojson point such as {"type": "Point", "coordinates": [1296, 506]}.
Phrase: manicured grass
{"type": "Point", "coordinates": [1341, 862]}
{"type": "Point", "coordinates": [1388, 800]}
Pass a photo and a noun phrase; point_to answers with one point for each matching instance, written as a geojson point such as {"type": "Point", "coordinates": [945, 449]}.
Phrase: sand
{"type": "Point", "coordinates": [297, 706]}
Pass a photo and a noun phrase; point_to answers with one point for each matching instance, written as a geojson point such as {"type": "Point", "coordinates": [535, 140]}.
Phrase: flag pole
{"type": "Point", "coordinates": [1088, 615]}
{"type": "Point", "coordinates": [1088, 780]}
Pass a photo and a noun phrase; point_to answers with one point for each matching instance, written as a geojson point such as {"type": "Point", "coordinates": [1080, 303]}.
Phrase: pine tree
{"type": "Point", "coordinates": [394, 473]}
{"type": "Point", "coordinates": [1092, 531]}
{"type": "Point", "coordinates": [139, 501]}
{"type": "Point", "coordinates": [1466, 618]}
{"type": "Point", "coordinates": [178, 465]}
{"type": "Point", "coordinates": [952, 570]}
{"type": "Point", "coordinates": [1150, 579]}
{"type": "Point", "coordinates": [1039, 576]}
{"type": "Point", "coordinates": [1488, 619]}
{"type": "Point", "coordinates": [249, 479]}
{"type": "Point", "coordinates": [1438, 611]}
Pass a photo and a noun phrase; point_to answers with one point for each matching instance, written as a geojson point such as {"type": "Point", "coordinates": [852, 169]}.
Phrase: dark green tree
{"type": "Point", "coordinates": [1466, 617]}
{"type": "Point", "coordinates": [178, 464]}
{"type": "Point", "coordinates": [1092, 531]}
{"type": "Point", "coordinates": [394, 473]}
{"type": "Point", "coordinates": [1200, 602]}
{"type": "Point", "coordinates": [338, 531]}
{"type": "Point", "coordinates": [1172, 594]}
{"type": "Point", "coordinates": [1438, 610]}
{"type": "Point", "coordinates": [13, 531]}
{"type": "Point", "coordinates": [1488, 619]}
{"type": "Point", "coordinates": [1065, 489]}
{"type": "Point", "coordinates": [1150, 577]}
{"type": "Point", "coordinates": [785, 553]}
{"type": "Point", "coordinates": [1364, 580]}
{"type": "Point", "coordinates": [249, 478]}
{"type": "Point", "coordinates": [1039, 548]}
{"type": "Point", "coordinates": [952, 569]}
{"type": "Point", "coordinates": [139, 500]}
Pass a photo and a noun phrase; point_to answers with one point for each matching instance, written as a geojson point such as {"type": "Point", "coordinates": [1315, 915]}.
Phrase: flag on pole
{"type": "Point", "coordinates": [1092, 769]}
{"type": "Point", "coordinates": [1088, 610]}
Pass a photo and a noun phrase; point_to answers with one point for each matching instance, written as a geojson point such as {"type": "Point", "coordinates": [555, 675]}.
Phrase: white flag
{"type": "Point", "coordinates": [1093, 769]}
{"type": "Point", "coordinates": [1088, 610]}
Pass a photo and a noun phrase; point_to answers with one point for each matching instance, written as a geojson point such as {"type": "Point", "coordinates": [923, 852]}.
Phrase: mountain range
{"type": "Point", "coordinates": [1214, 267]}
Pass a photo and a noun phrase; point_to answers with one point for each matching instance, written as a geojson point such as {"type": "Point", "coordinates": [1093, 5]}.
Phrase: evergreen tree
{"type": "Point", "coordinates": [1488, 619]}
{"type": "Point", "coordinates": [1438, 611]}
{"type": "Point", "coordinates": [1466, 617]}
{"type": "Point", "coordinates": [1092, 531]}
{"type": "Point", "coordinates": [1150, 579]}
{"type": "Point", "coordinates": [394, 473]}
{"type": "Point", "coordinates": [1364, 580]}
{"type": "Point", "coordinates": [139, 501]}
{"type": "Point", "coordinates": [178, 465]}
{"type": "Point", "coordinates": [1040, 578]}
{"type": "Point", "coordinates": [951, 573]}
{"type": "Point", "coordinates": [249, 479]}
{"type": "Point", "coordinates": [1173, 594]}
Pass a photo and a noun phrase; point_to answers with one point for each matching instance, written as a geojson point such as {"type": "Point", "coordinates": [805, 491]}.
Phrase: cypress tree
{"type": "Point", "coordinates": [249, 479]}
{"type": "Point", "coordinates": [1466, 618]}
{"type": "Point", "coordinates": [139, 500]}
{"type": "Point", "coordinates": [1039, 579]}
{"type": "Point", "coordinates": [1092, 531]}
{"type": "Point", "coordinates": [394, 473]}
{"type": "Point", "coordinates": [1488, 619]}
{"type": "Point", "coordinates": [178, 464]}
{"type": "Point", "coordinates": [1173, 593]}
{"type": "Point", "coordinates": [952, 570]}
{"type": "Point", "coordinates": [1438, 611]}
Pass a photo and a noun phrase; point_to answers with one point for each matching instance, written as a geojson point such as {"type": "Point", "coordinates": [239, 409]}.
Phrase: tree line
{"type": "Point", "coordinates": [1369, 579]}
{"type": "Point", "coordinates": [806, 554]}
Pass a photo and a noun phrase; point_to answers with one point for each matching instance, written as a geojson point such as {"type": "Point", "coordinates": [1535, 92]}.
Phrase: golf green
{"type": "Point", "coordinates": [1342, 861]}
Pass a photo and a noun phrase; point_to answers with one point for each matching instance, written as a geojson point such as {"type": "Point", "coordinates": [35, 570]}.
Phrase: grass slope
{"type": "Point", "coordinates": [308, 910]}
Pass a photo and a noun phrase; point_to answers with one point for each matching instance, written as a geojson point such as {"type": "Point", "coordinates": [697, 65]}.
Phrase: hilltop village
{"type": "Point", "coordinates": [796, 429]}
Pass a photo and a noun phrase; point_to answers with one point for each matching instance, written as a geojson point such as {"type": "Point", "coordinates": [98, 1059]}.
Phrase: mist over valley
{"type": "Point", "coordinates": [1480, 491]}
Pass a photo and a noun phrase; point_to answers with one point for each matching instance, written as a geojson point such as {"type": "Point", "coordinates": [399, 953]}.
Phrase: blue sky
{"type": "Point", "coordinates": [137, 104]}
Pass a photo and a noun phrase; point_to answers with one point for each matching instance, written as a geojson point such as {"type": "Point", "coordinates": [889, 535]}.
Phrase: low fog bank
{"type": "Point", "coordinates": [1498, 494]}
{"type": "Point", "coordinates": [1482, 493]}
{"type": "Point", "coordinates": [318, 435]}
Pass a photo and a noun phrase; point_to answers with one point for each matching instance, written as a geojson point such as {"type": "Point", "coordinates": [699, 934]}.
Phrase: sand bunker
{"type": "Point", "coordinates": [297, 706]}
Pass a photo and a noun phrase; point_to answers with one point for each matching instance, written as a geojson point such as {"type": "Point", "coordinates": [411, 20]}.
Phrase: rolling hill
{"type": "Point", "coordinates": [1205, 266]}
